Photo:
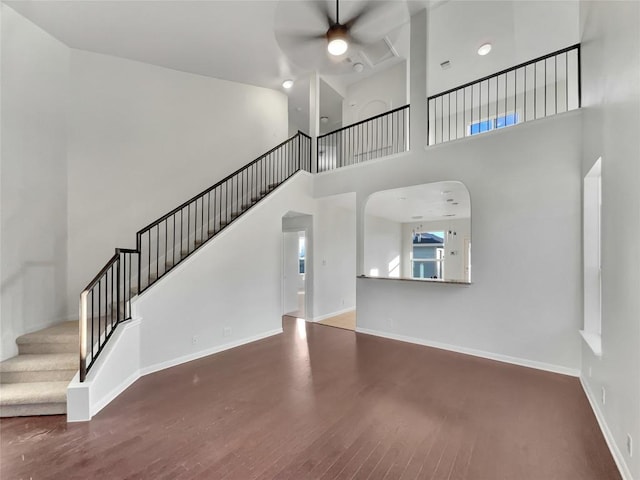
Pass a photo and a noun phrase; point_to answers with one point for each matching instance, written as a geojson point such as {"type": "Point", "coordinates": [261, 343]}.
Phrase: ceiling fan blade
{"type": "Point", "coordinates": [365, 10]}
{"type": "Point", "coordinates": [300, 36]}
{"type": "Point", "coordinates": [322, 9]}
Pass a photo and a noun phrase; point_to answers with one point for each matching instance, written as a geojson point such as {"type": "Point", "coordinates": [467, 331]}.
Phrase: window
{"type": "Point", "coordinates": [493, 123]}
{"type": "Point", "coordinates": [592, 206]}
{"type": "Point", "coordinates": [301, 255]}
{"type": "Point", "coordinates": [428, 255]}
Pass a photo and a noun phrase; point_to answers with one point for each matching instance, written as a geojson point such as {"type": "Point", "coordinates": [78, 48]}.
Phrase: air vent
{"type": "Point", "coordinates": [446, 64]}
{"type": "Point", "coordinates": [378, 52]}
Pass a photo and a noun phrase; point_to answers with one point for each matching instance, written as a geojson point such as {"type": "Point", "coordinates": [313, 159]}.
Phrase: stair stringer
{"type": "Point", "coordinates": [233, 281]}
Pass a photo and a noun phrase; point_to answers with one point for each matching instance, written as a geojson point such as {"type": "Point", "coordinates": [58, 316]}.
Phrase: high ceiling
{"type": "Point", "coordinates": [244, 40]}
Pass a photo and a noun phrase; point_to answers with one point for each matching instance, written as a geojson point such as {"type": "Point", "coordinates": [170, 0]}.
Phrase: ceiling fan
{"type": "Point", "coordinates": [338, 35]}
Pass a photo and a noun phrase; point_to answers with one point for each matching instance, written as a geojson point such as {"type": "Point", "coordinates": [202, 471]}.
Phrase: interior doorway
{"type": "Point", "coordinates": [294, 273]}
{"type": "Point", "coordinates": [297, 265]}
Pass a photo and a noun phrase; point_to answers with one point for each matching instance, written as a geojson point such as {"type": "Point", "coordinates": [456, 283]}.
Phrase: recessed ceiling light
{"type": "Point", "coordinates": [287, 84]}
{"type": "Point", "coordinates": [445, 192]}
{"type": "Point", "coordinates": [324, 119]}
{"type": "Point", "coordinates": [358, 67]}
{"type": "Point", "coordinates": [484, 49]}
{"type": "Point", "coordinates": [417, 217]}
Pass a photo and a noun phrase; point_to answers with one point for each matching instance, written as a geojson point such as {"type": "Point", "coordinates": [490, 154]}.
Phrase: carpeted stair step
{"type": "Point", "coordinates": [51, 367]}
{"type": "Point", "coordinates": [61, 338]}
{"type": "Point", "coordinates": [37, 398]}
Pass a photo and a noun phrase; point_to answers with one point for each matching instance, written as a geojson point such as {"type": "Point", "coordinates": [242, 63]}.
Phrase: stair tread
{"type": "Point", "coordinates": [33, 393]}
{"type": "Point", "coordinates": [40, 362]}
{"type": "Point", "coordinates": [66, 332]}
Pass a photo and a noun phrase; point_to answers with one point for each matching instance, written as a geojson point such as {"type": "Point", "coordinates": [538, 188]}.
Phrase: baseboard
{"type": "Point", "coordinates": [476, 353]}
{"type": "Point", "coordinates": [333, 314]}
{"type": "Point", "coordinates": [115, 392]}
{"type": "Point", "coordinates": [608, 436]}
{"type": "Point", "coordinates": [204, 353]}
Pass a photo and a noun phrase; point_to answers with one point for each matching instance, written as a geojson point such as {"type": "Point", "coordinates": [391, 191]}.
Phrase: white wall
{"type": "Point", "coordinates": [334, 257]}
{"type": "Point", "coordinates": [454, 268]}
{"type": "Point", "coordinates": [382, 247]}
{"type": "Point", "coordinates": [379, 93]}
{"type": "Point", "coordinates": [143, 139]}
{"type": "Point", "coordinates": [33, 263]}
{"type": "Point", "coordinates": [229, 284]}
{"type": "Point", "coordinates": [611, 101]}
{"type": "Point", "coordinates": [525, 301]}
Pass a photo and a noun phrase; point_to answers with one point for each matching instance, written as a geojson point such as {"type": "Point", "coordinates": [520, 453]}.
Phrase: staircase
{"type": "Point", "coordinates": [35, 382]}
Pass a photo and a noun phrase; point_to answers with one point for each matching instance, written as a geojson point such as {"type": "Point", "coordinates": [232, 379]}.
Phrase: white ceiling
{"type": "Point", "coordinates": [518, 30]}
{"type": "Point", "coordinates": [242, 40]}
{"type": "Point", "coordinates": [430, 202]}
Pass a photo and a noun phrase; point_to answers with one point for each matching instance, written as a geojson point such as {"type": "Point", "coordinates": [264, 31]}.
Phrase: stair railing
{"type": "Point", "coordinates": [104, 303]}
{"type": "Point", "coordinates": [166, 242]}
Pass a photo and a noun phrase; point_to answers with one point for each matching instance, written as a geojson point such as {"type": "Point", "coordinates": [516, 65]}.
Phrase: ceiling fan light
{"type": "Point", "coordinates": [337, 46]}
{"type": "Point", "coordinates": [287, 84]}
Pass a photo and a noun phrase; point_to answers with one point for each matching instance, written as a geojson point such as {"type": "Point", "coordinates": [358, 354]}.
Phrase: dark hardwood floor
{"type": "Point", "coordinates": [324, 403]}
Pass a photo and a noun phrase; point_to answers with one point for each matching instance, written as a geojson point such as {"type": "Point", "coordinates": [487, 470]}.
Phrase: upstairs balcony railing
{"type": "Point", "coordinates": [541, 87]}
{"type": "Point", "coordinates": [375, 137]}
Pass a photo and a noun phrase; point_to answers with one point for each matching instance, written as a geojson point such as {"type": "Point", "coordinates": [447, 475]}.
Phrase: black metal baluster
{"type": "Point", "coordinates": [480, 107]}
{"type": "Point", "coordinates": [157, 251]}
{"type": "Point", "coordinates": [515, 95]}
{"type": "Point", "coordinates": [545, 87]}
{"type": "Point", "coordinates": [127, 291]}
{"type": "Point", "coordinates": [524, 89]}
{"type": "Point", "coordinates": [497, 105]}
{"type": "Point", "coordinates": [464, 111]}
{"type": "Point", "coordinates": [566, 81]}
{"type": "Point", "coordinates": [555, 83]}
{"type": "Point", "coordinates": [113, 311]}
{"type": "Point", "coordinates": [149, 253]}
{"type": "Point", "coordinates": [92, 322]}
{"type": "Point", "coordinates": [472, 106]}
{"type": "Point", "coordinates": [99, 311]}
{"type": "Point", "coordinates": [535, 92]}
{"type": "Point", "coordinates": [195, 223]}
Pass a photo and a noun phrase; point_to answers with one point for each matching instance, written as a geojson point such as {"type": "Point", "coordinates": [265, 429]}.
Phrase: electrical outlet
{"type": "Point", "coordinates": [226, 332]}
{"type": "Point", "coordinates": [604, 396]}
{"type": "Point", "coordinates": [194, 340]}
{"type": "Point", "coordinates": [629, 445]}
